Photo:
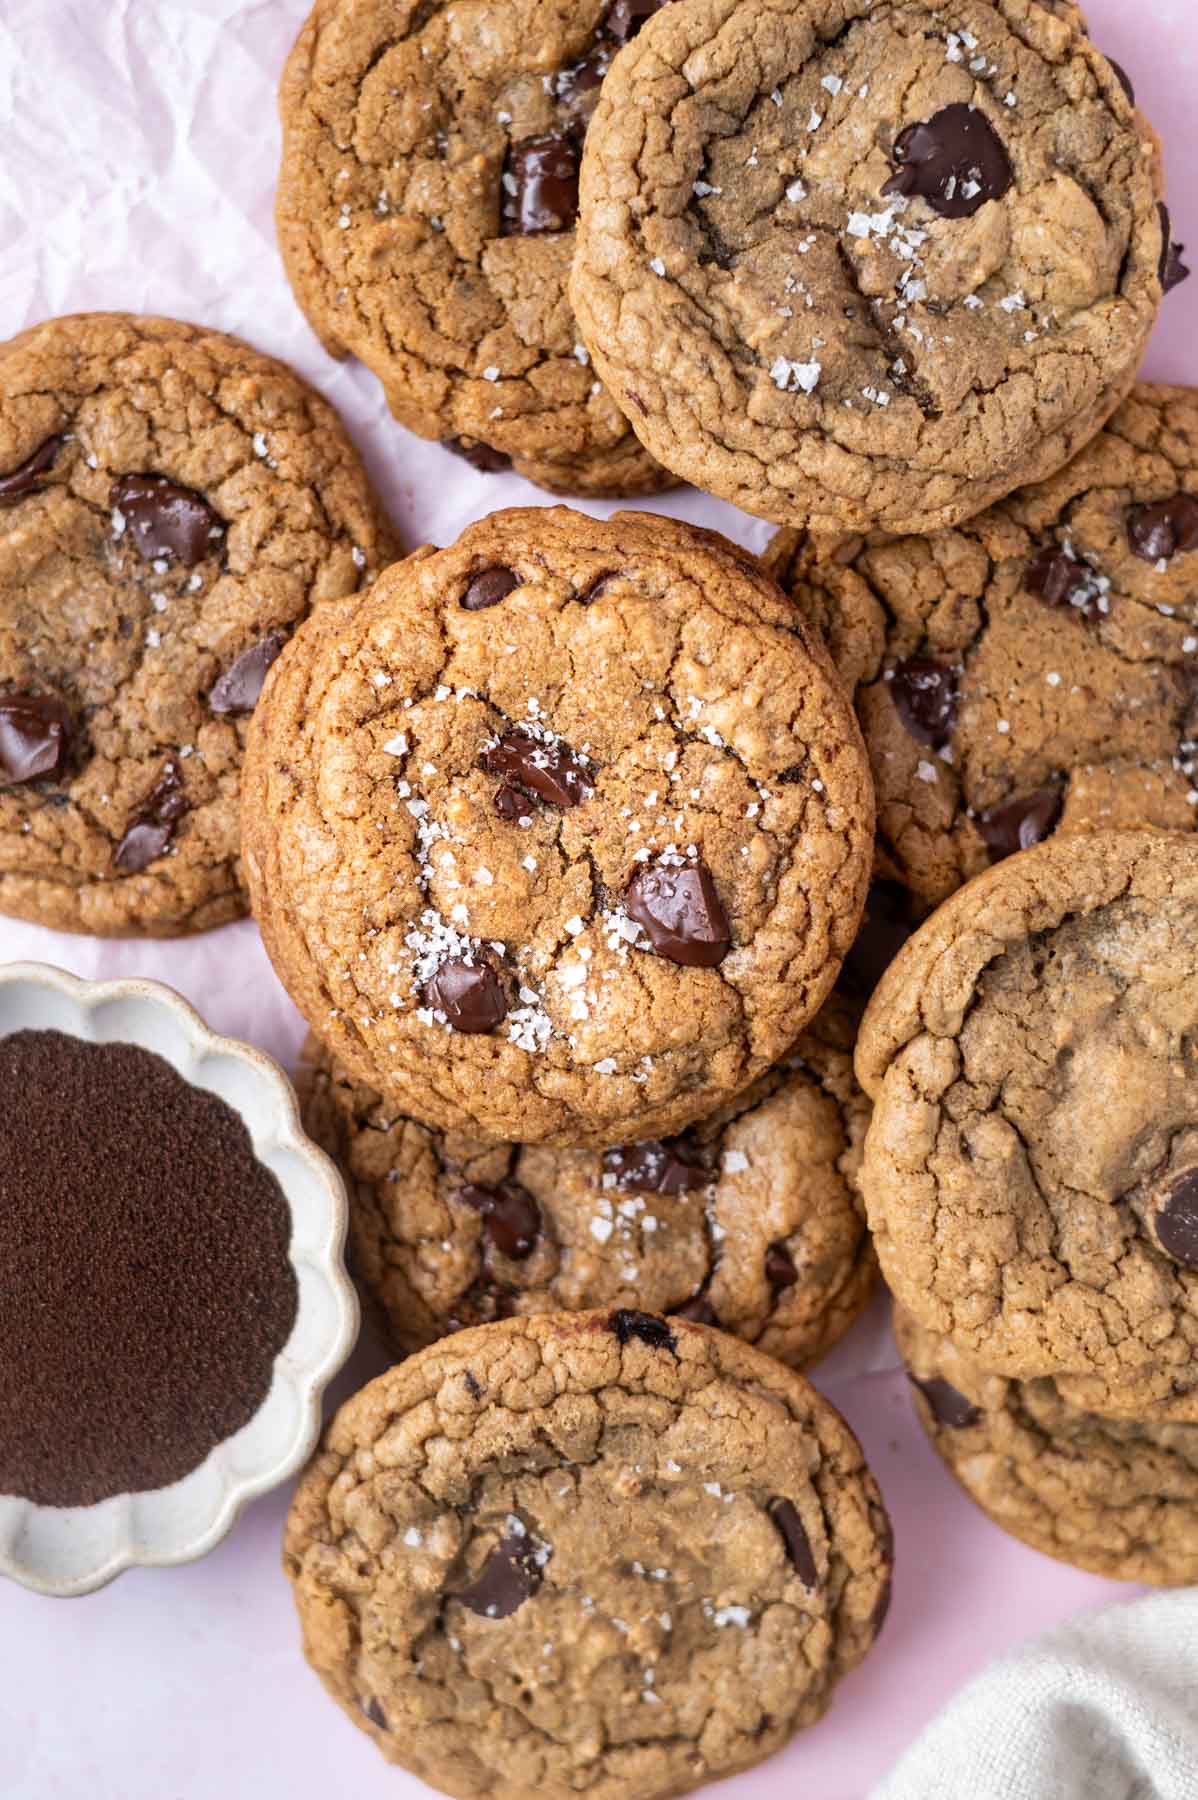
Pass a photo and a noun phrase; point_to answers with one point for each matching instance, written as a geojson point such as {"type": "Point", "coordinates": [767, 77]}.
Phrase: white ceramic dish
{"type": "Point", "coordinates": [73, 1550]}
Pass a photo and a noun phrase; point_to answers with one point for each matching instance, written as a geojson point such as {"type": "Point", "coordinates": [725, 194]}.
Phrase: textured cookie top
{"type": "Point", "coordinates": [1032, 670]}
{"type": "Point", "coordinates": [1031, 1171]}
{"type": "Point", "coordinates": [751, 1221]}
{"type": "Point", "coordinates": [562, 833]}
{"type": "Point", "coordinates": [1116, 1496]}
{"type": "Point", "coordinates": [594, 1553]}
{"type": "Point", "coordinates": [171, 504]}
{"type": "Point", "coordinates": [426, 209]}
{"type": "Point", "coordinates": [857, 264]}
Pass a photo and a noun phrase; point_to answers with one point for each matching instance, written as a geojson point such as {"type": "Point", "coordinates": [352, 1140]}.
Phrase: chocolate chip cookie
{"type": "Point", "coordinates": [750, 1221]}
{"type": "Point", "coordinates": [1034, 670]}
{"type": "Point", "coordinates": [867, 263]}
{"type": "Point", "coordinates": [1031, 1170]}
{"type": "Point", "coordinates": [561, 834]}
{"type": "Point", "coordinates": [172, 503]}
{"type": "Point", "coordinates": [426, 217]}
{"type": "Point", "coordinates": [1111, 1495]}
{"type": "Point", "coordinates": [603, 1552]}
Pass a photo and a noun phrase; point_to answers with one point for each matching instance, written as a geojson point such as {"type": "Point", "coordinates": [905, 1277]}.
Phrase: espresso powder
{"type": "Point", "coordinates": [145, 1286]}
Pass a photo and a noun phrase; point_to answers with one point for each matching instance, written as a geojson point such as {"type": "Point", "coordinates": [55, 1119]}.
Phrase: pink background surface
{"type": "Point", "coordinates": [139, 155]}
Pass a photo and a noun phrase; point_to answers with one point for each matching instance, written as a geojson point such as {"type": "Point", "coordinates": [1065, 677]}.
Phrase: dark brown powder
{"type": "Point", "coordinates": [145, 1286]}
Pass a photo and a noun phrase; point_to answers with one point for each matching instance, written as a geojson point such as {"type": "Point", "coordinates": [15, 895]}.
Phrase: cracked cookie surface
{"type": "Point", "coordinates": [425, 212]}
{"type": "Point", "coordinates": [172, 504]}
{"type": "Point", "coordinates": [750, 1221]}
{"type": "Point", "coordinates": [561, 834]}
{"type": "Point", "coordinates": [1033, 670]}
{"type": "Point", "coordinates": [1031, 1169]}
{"type": "Point", "coordinates": [859, 265]}
{"type": "Point", "coordinates": [597, 1553]}
{"type": "Point", "coordinates": [1114, 1496]}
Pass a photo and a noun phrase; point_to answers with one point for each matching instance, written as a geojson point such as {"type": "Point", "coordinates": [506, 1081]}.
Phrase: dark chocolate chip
{"type": "Point", "coordinates": [885, 927]}
{"type": "Point", "coordinates": [1164, 529]}
{"type": "Point", "coordinates": [925, 697]}
{"type": "Point", "coordinates": [947, 1405]}
{"type": "Point", "coordinates": [508, 1578]}
{"type": "Point", "coordinates": [375, 1713]}
{"type": "Point", "coordinates": [1020, 823]}
{"type": "Point", "coordinates": [698, 1309]}
{"type": "Point", "coordinates": [482, 1302]}
{"type": "Point", "coordinates": [656, 1167]}
{"type": "Point", "coordinates": [237, 690]}
{"type": "Point", "coordinates": [955, 160]}
{"type": "Point", "coordinates": [35, 737]}
{"type": "Point", "coordinates": [1172, 270]}
{"type": "Point", "coordinates": [540, 186]}
{"type": "Point", "coordinates": [780, 1270]}
{"type": "Point", "coordinates": [785, 1515]}
{"type": "Point", "coordinates": [549, 770]}
{"type": "Point", "coordinates": [655, 1332]}
{"type": "Point", "coordinates": [510, 1216]}
{"type": "Point", "coordinates": [1060, 580]}
{"type": "Point", "coordinates": [480, 456]}
{"type": "Point", "coordinates": [28, 478]}
{"type": "Point", "coordinates": [1177, 1220]}
{"type": "Point", "coordinates": [627, 16]}
{"type": "Point", "coordinates": [152, 826]}
{"type": "Point", "coordinates": [682, 913]}
{"type": "Point", "coordinates": [165, 519]}
{"type": "Point", "coordinates": [469, 994]}
{"type": "Point", "coordinates": [1124, 79]}
{"type": "Point", "coordinates": [473, 1385]}
{"type": "Point", "coordinates": [583, 79]}
{"type": "Point", "coordinates": [489, 588]}
{"type": "Point", "coordinates": [598, 588]}
{"type": "Point", "coordinates": [511, 805]}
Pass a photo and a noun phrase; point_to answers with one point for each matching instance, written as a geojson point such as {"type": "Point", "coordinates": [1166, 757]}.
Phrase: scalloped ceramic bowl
{"type": "Point", "coordinates": [73, 1550]}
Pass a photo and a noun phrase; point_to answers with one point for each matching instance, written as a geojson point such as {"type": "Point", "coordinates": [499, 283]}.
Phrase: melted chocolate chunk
{"type": "Point", "coordinates": [948, 1406]}
{"type": "Point", "coordinates": [656, 1167]}
{"type": "Point", "coordinates": [627, 16]}
{"type": "Point", "coordinates": [165, 519]}
{"type": "Point", "coordinates": [955, 160]}
{"type": "Point", "coordinates": [469, 994]}
{"type": "Point", "coordinates": [375, 1713]}
{"type": "Point", "coordinates": [35, 737]}
{"type": "Point", "coordinates": [489, 588]}
{"type": "Point", "coordinates": [1177, 1220]}
{"type": "Point", "coordinates": [237, 690]}
{"type": "Point", "coordinates": [578, 86]}
{"type": "Point", "coordinates": [511, 805]}
{"type": "Point", "coordinates": [598, 588]}
{"type": "Point", "coordinates": [480, 456]}
{"type": "Point", "coordinates": [551, 771]}
{"type": "Point", "coordinates": [540, 186]}
{"type": "Point", "coordinates": [780, 1270]}
{"type": "Point", "coordinates": [1165, 529]}
{"type": "Point", "coordinates": [28, 478]}
{"type": "Point", "coordinates": [153, 825]}
{"type": "Point", "coordinates": [481, 1303]}
{"type": "Point", "coordinates": [925, 697]}
{"type": "Point", "coordinates": [1060, 580]}
{"type": "Point", "coordinates": [682, 913]}
{"type": "Point", "coordinates": [1020, 823]}
{"type": "Point", "coordinates": [510, 1216]}
{"type": "Point", "coordinates": [1172, 270]}
{"type": "Point", "coordinates": [698, 1309]}
{"type": "Point", "coordinates": [655, 1332]}
{"type": "Point", "coordinates": [885, 927]}
{"type": "Point", "coordinates": [1124, 79]}
{"type": "Point", "coordinates": [508, 1578]}
{"type": "Point", "coordinates": [785, 1515]}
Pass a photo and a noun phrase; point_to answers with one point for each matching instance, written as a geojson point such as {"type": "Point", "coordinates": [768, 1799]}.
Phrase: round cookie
{"type": "Point", "coordinates": [864, 264]}
{"type": "Point", "coordinates": [601, 1552]}
{"type": "Point", "coordinates": [1030, 671]}
{"type": "Point", "coordinates": [561, 834]}
{"type": "Point", "coordinates": [425, 214]}
{"type": "Point", "coordinates": [1031, 1169]}
{"type": "Point", "coordinates": [750, 1221]}
{"type": "Point", "coordinates": [1114, 1496]}
{"type": "Point", "coordinates": [172, 503]}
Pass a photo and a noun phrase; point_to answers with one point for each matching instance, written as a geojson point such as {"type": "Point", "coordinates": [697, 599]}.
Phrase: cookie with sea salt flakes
{"type": "Point", "coordinates": [602, 1553]}
{"type": "Point", "coordinates": [172, 504]}
{"type": "Point", "coordinates": [561, 834]}
{"type": "Point", "coordinates": [751, 1220]}
{"type": "Point", "coordinates": [426, 217]}
{"type": "Point", "coordinates": [866, 264]}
